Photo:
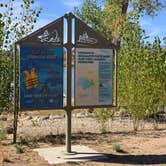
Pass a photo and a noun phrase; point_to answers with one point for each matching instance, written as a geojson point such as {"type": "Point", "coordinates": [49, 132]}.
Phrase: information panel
{"type": "Point", "coordinates": [93, 77]}
{"type": "Point", "coordinates": [41, 77]}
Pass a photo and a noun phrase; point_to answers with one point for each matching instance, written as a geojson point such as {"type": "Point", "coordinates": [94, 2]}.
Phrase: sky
{"type": "Point", "coordinates": [52, 9]}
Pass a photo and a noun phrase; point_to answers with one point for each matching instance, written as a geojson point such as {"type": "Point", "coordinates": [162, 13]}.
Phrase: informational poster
{"type": "Point", "coordinates": [41, 77]}
{"type": "Point", "coordinates": [93, 77]}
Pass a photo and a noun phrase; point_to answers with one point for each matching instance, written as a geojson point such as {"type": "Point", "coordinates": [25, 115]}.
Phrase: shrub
{"type": "Point", "coordinates": [117, 148]}
{"type": "Point", "coordinates": [3, 133]}
{"type": "Point", "coordinates": [19, 149]}
{"type": "Point", "coordinates": [102, 115]}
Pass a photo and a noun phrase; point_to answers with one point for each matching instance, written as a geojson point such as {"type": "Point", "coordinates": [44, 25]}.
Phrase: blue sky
{"type": "Point", "coordinates": [52, 9]}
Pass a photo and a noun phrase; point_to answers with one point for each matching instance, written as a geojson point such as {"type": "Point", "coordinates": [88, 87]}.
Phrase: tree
{"type": "Point", "coordinates": [140, 88]}
{"type": "Point", "coordinates": [17, 25]}
{"type": "Point", "coordinates": [110, 19]}
{"type": "Point", "coordinates": [12, 28]}
{"type": "Point", "coordinates": [5, 75]}
{"type": "Point", "coordinates": [142, 74]}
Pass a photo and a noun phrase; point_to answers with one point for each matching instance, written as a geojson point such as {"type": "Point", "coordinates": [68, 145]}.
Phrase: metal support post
{"type": "Point", "coordinates": [116, 75]}
{"type": "Point", "coordinates": [69, 82]}
{"type": "Point", "coordinates": [15, 96]}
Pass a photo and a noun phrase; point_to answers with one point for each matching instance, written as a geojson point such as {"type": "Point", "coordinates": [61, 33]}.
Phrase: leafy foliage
{"type": "Point", "coordinates": [6, 76]}
{"type": "Point", "coordinates": [19, 149]}
{"type": "Point", "coordinates": [3, 133]}
{"type": "Point", "coordinates": [141, 73]}
{"type": "Point", "coordinates": [109, 16]}
{"type": "Point", "coordinates": [102, 115]}
{"type": "Point", "coordinates": [142, 66]}
{"type": "Point", "coordinates": [118, 149]}
{"type": "Point", "coordinates": [17, 25]}
{"type": "Point", "coordinates": [13, 26]}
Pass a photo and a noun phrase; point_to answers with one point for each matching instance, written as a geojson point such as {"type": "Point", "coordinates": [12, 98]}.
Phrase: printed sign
{"type": "Point", "coordinates": [93, 77]}
{"type": "Point", "coordinates": [41, 77]}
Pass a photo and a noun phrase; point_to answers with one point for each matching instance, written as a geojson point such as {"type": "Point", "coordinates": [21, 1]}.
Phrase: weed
{"type": "Point", "coordinates": [19, 149]}
{"type": "Point", "coordinates": [28, 140]}
{"type": "Point", "coordinates": [34, 123]}
{"type": "Point", "coordinates": [103, 130]}
{"type": "Point", "coordinates": [118, 149]}
{"type": "Point", "coordinates": [3, 133]}
{"type": "Point", "coordinates": [24, 139]}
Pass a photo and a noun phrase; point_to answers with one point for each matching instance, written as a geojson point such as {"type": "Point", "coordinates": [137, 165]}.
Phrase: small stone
{"type": "Point", "coordinates": [9, 129]}
{"type": "Point", "coordinates": [3, 118]}
{"type": "Point", "coordinates": [45, 118]}
{"type": "Point", "coordinates": [29, 118]}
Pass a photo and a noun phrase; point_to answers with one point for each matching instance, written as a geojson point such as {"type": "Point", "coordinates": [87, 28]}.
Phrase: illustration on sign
{"type": "Point", "coordinates": [41, 77]}
{"type": "Point", "coordinates": [84, 38]}
{"type": "Point", "coordinates": [50, 37]}
{"type": "Point", "coordinates": [31, 79]}
{"type": "Point", "coordinates": [93, 86]}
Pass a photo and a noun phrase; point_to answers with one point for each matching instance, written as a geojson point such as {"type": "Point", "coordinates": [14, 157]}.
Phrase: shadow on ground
{"type": "Point", "coordinates": [127, 159]}
{"type": "Point", "coordinates": [91, 138]}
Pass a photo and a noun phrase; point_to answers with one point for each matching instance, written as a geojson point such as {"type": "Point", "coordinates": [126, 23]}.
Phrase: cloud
{"type": "Point", "coordinates": [72, 3]}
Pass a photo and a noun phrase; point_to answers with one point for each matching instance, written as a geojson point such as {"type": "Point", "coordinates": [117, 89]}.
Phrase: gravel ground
{"type": "Point", "coordinates": [145, 147]}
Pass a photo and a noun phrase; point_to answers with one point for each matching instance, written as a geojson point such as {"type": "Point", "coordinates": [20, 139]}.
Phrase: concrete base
{"type": "Point", "coordinates": [57, 155]}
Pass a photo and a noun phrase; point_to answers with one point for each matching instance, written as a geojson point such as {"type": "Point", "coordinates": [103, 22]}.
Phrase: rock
{"type": "Point", "coordinates": [9, 129]}
{"type": "Point", "coordinates": [80, 115]}
{"type": "Point", "coordinates": [45, 118]}
{"type": "Point", "coordinates": [56, 117]}
{"type": "Point", "coordinates": [51, 117]}
{"type": "Point", "coordinates": [26, 114]}
{"type": "Point", "coordinates": [28, 118]}
{"type": "Point", "coordinates": [37, 119]}
{"type": "Point", "coordinates": [3, 118]}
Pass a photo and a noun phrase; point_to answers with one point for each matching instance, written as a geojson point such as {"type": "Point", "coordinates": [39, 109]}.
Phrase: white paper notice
{"type": "Point", "coordinates": [93, 77]}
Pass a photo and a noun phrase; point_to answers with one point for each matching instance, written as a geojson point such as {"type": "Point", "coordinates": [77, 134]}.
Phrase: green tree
{"type": "Point", "coordinates": [5, 75]}
{"type": "Point", "coordinates": [13, 26]}
{"type": "Point", "coordinates": [140, 88]}
{"type": "Point", "coordinates": [18, 25]}
{"type": "Point", "coordinates": [141, 73]}
{"type": "Point", "coordinates": [109, 16]}
{"type": "Point", "coordinates": [154, 72]}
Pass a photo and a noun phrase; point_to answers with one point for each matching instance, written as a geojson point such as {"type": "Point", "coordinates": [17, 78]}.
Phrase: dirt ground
{"type": "Point", "coordinates": [145, 147]}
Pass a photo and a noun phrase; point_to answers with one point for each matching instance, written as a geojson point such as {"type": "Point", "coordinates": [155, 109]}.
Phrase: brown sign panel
{"type": "Point", "coordinates": [87, 37]}
{"type": "Point", "coordinates": [49, 35]}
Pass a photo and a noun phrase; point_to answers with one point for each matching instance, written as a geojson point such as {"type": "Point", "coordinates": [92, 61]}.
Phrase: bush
{"type": "Point", "coordinates": [102, 115]}
{"type": "Point", "coordinates": [3, 133]}
{"type": "Point", "coordinates": [118, 149]}
{"type": "Point", "coordinates": [19, 149]}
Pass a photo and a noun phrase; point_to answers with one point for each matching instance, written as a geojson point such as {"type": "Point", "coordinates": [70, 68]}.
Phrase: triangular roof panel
{"type": "Point", "coordinates": [51, 35]}
{"type": "Point", "coordinates": [87, 37]}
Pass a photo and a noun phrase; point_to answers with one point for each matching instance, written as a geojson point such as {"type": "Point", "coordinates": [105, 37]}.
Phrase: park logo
{"type": "Point", "coordinates": [85, 39]}
{"type": "Point", "coordinates": [52, 37]}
